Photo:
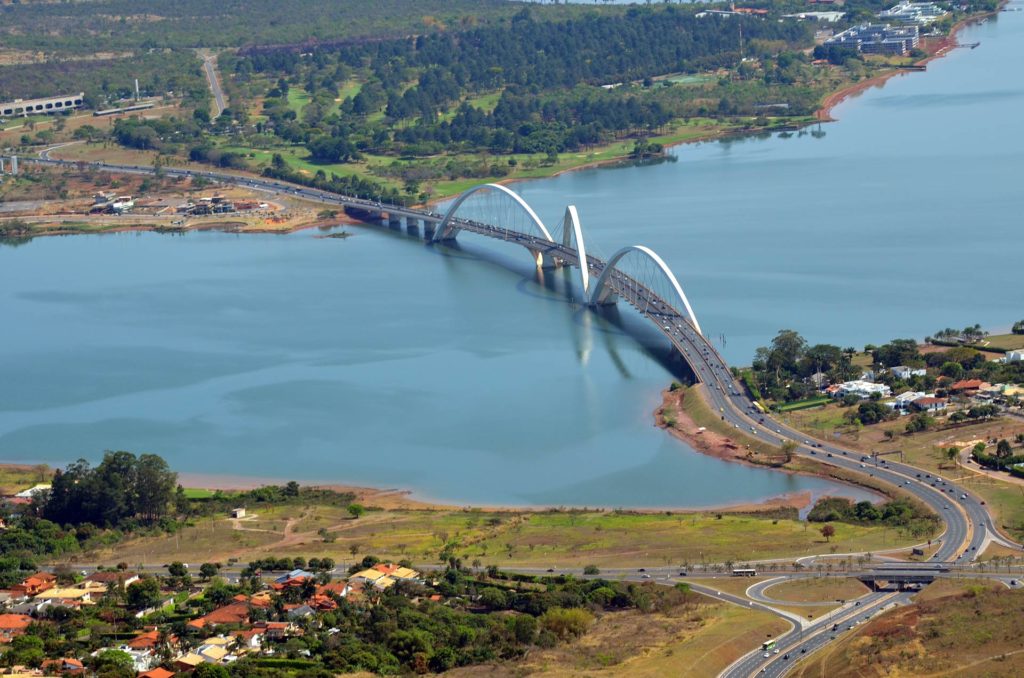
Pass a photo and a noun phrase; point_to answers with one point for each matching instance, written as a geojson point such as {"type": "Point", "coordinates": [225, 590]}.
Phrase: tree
{"type": "Point", "coordinates": [952, 370]}
{"type": "Point", "coordinates": [27, 650]}
{"type": "Point", "coordinates": [356, 510]}
{"type": "Point", "coordinates": [155, 484]}
{"type": "Point", "coordinates": [828, 531]}
{"type": "Point", "coordinates": [177, 569]}
{"type": "Point", "coordinates": [591, 569]}
{"type": "Point", "coordinates": [143, 594]}
{"type": "Point", "coordinates": [1003, 449]}
{"type": "Point", "coordinates": [205, 670]}
{"type": "Point", "coordinates": [114, 663]}
{"type": "Point", "coordinates": [1018, 327]}
{"type": "Point", "coordinates": [208, 570]}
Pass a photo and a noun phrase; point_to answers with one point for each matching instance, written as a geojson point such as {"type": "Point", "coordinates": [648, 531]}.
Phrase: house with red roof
{"type": "Point", "coordinates": [966, 386]}
{"type": "Point", "coordinates": [34, 585]}
{"type": "Point", "coordinates": [232, 613]}
{"type": "Point", "coordinates": [68, 666]}
{"type": "Point", "coordinates": [13, 625]}
{"type": "Point", "coordinates": [157, 673]}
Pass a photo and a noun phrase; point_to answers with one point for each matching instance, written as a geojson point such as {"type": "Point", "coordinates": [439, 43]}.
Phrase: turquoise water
{"type": "Point", "coordinates": [377, 360]}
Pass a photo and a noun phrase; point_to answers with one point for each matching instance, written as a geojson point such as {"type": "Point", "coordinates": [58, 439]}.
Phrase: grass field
{"type": "Point", "coordinates": [817, 589]}
{"type": "Point", "coordinates": [1010, 341]}
{"type": "Point", "coordinates": [541, 539]}
{"type": "Point", "coordinates": [694, 642]}
{"type": "Point", "coordinates": [15, 477]}
{"type": "Point", "coordinates": [952, 629]}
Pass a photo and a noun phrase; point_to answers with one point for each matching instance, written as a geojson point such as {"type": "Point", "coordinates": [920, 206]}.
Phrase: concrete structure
{"type": "Point", "coordinates": [1014, 356]}
{"type": "Point", "coordinates": [878, 39]}
{"type": "Point", "coordinates": [238, 513]}
{"type": "Point", "coordinates": [920, 13]}
{"type": "Point", "coordinates": [12, 162]}
{"type": "Point", "coordinates": [26, 107]}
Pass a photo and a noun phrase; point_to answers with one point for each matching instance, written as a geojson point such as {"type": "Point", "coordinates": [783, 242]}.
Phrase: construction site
{"type": "Point", "coordinates": [96, 202]}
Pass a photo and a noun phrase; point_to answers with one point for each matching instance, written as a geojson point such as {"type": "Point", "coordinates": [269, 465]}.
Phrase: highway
{"type": "Point", "coordinates": [968, 525]}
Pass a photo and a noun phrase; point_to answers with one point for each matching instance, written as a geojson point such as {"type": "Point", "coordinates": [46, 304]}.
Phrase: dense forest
{"type": "Point", "coordinates": [107, 80]}
{"type": "Point", "coordinates": [85, 27]}
{"type": "Point", "coordinates": [558, 85]}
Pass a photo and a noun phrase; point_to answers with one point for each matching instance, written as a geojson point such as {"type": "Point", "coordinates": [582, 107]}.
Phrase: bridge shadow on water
{"type": "Point", "coordinates": [560, 286]}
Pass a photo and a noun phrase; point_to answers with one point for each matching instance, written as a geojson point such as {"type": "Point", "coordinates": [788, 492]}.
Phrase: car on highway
{"type": "Point", "coordinates": [767, 655]}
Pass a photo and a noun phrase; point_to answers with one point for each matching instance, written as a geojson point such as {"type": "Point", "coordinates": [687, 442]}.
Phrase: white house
{"type": "Point", "coordinates": [903, 372]}
{"type": "Point", "coordinates": [861, 389]}
{"type": "Point", "coordinates": [931, 404]}
{"type": "Point", "coordinates": [903, 400]}
{"type": "Point", "coordinates": [1014, 356]}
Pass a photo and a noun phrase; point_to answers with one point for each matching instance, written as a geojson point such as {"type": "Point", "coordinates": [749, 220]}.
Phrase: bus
{"type": "Point", "coordinates": [744, 572]}
{"type": "Point", "coordinates": [768, 645]}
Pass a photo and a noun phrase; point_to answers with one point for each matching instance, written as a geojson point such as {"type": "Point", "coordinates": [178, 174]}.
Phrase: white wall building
{"type": "Point", "coordinates": [862, 389]}
{"type": "Point", "coordinates": [903, 372]}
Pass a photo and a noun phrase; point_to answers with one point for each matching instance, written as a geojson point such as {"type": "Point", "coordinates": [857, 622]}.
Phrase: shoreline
{"type": "Point", "coordinates": [410, 500]}
{"type": "Point", "coordinates": [720, 446]}
{"type": "Point", "coordinates": [945, 46]}
{"type": "Point", "coordinates": [822, 114]}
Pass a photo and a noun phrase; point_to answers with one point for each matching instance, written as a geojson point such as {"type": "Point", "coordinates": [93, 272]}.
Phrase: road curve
{"type": "Point", "coordinates": [968, 525]}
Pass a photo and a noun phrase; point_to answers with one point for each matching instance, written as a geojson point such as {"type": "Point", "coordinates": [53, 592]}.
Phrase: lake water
{"type": "Point", "coordinates": [377, 360]}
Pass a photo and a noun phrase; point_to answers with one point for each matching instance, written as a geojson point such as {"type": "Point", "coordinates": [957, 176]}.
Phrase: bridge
{"type": "Point", "coordinates": [638, 276]}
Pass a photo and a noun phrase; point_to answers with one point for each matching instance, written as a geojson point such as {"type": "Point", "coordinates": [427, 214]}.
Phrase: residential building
{"type": "Point", "coordinates": [967, 386]}
{"type": "Point", "coordinates": [920, 13]}
{"type": "Point", "coordinates": [12, 626]}
{"type": "Point", "coordinates": [861, 389]}
{"type": "Point", "coordinates": [878, 39]}
{"type": "Point", "coordinates": [905, 373]}
{"type": "Point", "coordinates": [1014, 356]}
{"type": "Point", "coordinates": [33, 491]}
{"type": "Point", "coordinates": [904, 400]}
{"type": "Point", "coordinates": [157, 673]}
{"type": "Point", "coordinates": [34, 585]}
{"type": "Point", "coordinates": [68, 666]}
{"type": "Point", "coordinates": [116, 577]}
{"type": "Point", "coordinates": [931, 404]}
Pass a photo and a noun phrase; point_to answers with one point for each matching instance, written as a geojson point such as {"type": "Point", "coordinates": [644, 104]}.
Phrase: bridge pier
{"type": "Point", "coordinates": [412, 226]}
{"type": "Point", "coordinates": [394, 223]}
{"type": "Point", "coordinates": [429, 228]}
{"type": "Point", "coordinates": [543, 260]}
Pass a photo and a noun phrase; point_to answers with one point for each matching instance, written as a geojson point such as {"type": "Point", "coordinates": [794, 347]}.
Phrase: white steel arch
{"type": "Point", "coordinates": [600, 292]}
{"type": "Point", "coordinates": [448, 230]}
{"type": "Point", "coordinates": [571, 230]}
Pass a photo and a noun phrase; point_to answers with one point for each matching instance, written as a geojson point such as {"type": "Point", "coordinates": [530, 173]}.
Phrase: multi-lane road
{"type": "Point", "coordinates": [968, 525]}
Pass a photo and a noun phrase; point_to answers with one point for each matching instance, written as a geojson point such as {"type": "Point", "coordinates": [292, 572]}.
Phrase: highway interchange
{"type": "Point", "coordinates": [969, 528]}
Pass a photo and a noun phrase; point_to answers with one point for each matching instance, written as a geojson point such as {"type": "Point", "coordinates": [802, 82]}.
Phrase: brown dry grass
{"type": "Point", "coordinates": [698, 643]}
{"type": "Point", "coordinates": [953, 629]}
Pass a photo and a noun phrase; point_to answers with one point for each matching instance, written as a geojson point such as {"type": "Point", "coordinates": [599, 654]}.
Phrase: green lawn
{"type": "Point", "coordinates": [298, 98]}
{"type": "Point", "coordinates": [1010, 341]}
